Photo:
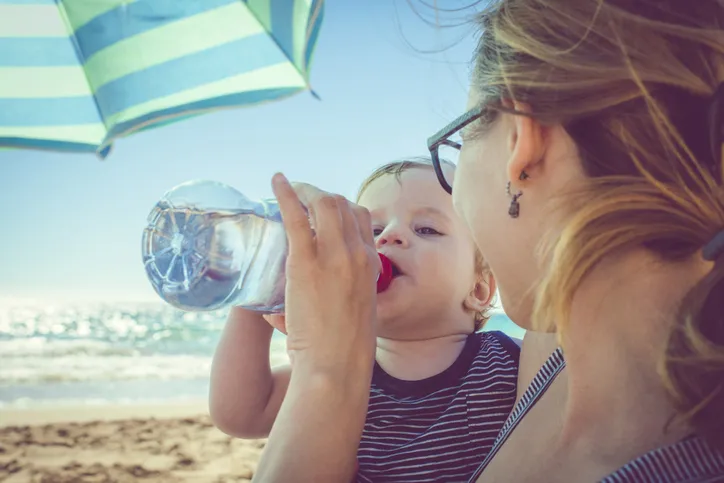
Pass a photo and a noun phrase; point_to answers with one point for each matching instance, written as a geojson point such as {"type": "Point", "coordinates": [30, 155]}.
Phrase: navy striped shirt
{"type": "Point", "coordinates": [439, 428]}
{"type": "Point", "coordinates": [691, 460]}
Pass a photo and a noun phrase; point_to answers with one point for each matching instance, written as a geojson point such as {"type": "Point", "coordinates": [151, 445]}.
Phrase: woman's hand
{"type": "Point", "coordinates": [330, 325]}
{"type": "Point", "coordinates": [278, 321]}
{"type": "Point", "coordinates": [331, 271]}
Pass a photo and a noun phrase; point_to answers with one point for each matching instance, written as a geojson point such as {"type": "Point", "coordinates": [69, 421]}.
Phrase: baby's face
{"type": "Point", "coordinates": [415, 225]}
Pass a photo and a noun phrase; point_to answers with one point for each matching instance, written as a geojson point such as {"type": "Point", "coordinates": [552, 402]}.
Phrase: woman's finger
{"type": "Point", "coordinates": [360, 244]}
{"type": "Point", "coordinates": [306, 194]}
{"type": "Point", "coordinates": [352, 235]}
{"type": "Point", "coordinates": [294, 217]}
{"type": "Point", "coordinates": [364, 224]}
{"type": "Point", "coordinates": [329, 223]}
{"type": "Point", "coordinates": [326, 217]}
{"type": "Point", "coordinates": [321, 207]}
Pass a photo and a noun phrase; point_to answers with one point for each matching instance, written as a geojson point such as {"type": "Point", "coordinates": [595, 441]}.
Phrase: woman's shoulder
{"type": "Point", "coordinates": [692, 460]}
{"type": "Point", "coordinates": [535, 352]}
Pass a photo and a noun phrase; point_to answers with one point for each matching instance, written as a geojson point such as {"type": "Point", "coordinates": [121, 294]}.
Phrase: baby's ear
{"type": "Point", "coordinates": [481, 296]}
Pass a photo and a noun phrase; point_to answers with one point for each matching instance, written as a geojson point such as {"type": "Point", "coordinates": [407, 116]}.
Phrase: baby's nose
{"type": "Point", "coordinates": [392, 237]}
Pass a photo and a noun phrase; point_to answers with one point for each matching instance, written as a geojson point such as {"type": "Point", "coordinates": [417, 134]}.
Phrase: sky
{"type": "Point", "coordinates": [72, 224]}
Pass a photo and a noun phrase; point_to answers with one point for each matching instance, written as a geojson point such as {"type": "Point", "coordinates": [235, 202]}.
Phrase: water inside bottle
{"type": "Point", "coordinates": [206, 259]}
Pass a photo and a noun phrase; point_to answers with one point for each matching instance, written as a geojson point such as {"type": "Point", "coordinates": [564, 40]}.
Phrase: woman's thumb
{"type": "Point", "coordinates": [277, 321]}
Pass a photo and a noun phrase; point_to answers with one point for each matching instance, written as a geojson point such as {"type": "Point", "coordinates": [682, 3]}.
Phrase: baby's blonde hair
{"type": "Point", "coordinates": [396, 168]}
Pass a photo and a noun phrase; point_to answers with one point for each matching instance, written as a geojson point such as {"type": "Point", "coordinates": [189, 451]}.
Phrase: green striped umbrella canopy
{"type": "Point", "coordinates": [77, 74]}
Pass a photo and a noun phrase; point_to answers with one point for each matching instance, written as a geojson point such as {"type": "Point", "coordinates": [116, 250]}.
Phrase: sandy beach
{"type": "Point", "coordinates": [121, 443]}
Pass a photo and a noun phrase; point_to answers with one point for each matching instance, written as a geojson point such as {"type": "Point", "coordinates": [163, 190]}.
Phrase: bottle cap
{"type": "Point", "coordinates": [385, 277]}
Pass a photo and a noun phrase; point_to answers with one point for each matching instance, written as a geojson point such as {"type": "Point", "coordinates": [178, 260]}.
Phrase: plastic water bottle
{"type": "Point", "coordinates": [207, 246]}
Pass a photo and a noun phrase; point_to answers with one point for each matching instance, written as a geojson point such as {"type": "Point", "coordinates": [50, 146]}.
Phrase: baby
{"type": "Point", "coordinates": [441, 389]}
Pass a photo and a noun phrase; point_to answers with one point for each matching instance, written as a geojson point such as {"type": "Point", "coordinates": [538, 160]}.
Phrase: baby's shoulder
{"type": "Point", "coordinates": [492, 376]}
{"type": "Point", "coordinates": [497, 344]}
{"type": "Point", "coordinates": [496, 361]}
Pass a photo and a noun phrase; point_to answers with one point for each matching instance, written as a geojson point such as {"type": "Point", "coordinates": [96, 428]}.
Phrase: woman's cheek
{"type": "Point", "coordinates": [462, 196]}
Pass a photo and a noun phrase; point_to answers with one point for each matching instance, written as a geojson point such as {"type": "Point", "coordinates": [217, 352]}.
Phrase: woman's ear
{"type": "Point", "coordinates": [526, 143]}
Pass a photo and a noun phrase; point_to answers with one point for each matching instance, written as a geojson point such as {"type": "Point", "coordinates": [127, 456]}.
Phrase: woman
{"type": "Point", "coordinates": [596, 127]}
{"type": "Point", "coordinates": [596, 133]}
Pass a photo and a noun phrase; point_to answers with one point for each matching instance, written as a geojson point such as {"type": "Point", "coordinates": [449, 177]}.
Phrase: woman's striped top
{"type": "Point", "coordinates": [439, 428]}
{"type": "Point", "coordinates": [691, 460]}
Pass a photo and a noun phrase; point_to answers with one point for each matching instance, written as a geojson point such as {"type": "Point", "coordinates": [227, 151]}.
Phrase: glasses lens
{"type": "Point", "coordinates": [449, 155]}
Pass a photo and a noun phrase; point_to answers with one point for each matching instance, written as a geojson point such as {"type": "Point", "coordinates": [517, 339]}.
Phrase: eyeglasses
{"type": "Point", "coordinates": [444, 139]}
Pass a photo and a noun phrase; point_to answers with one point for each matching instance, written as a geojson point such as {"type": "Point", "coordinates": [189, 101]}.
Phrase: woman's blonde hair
{"type": "Point", "coordinates": [631, 81]}
{"type": "Point", "coordinates": [396, 168]}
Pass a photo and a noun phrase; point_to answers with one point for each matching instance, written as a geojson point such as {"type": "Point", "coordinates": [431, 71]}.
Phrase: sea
{"type": "Point", "coordinates": [96, 353]}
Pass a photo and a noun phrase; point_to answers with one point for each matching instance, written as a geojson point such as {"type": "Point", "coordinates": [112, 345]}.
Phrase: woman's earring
{"type": "Point", "coordinates": [514, 209]}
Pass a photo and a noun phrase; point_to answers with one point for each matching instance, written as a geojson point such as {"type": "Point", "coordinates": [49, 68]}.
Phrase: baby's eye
{"type": "Point", "coordinates": [376, 231]}
{"type": "Point", "coordinates": [426, 230]}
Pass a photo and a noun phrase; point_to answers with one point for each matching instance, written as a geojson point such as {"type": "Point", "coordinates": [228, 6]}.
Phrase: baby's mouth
{"type": "Point", "coordinates": [396, 272]}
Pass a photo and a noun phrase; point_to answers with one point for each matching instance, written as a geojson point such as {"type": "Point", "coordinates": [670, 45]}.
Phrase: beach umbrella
{"type": "Point", "coordinates": [75, 75]}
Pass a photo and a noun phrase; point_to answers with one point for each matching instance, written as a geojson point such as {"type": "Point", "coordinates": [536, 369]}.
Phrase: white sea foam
{"type": "Point", "coordinates": [115, 352]}
{"type": "Point", "coordinates": [47, 344]}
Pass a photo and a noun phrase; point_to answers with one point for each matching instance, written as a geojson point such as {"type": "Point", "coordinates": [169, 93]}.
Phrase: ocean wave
{"type": "Point", "coordinates": [117, 342]}
{"type": "Point", "coordinates": [24, 370]}
{"type": "Point", "coordinates": [75, 402]}
{"type": "Point", "coordinates": [46, 345]}
{"type": "Point", "coordinates": [34, 347]}
{"type": "Point", "coordinates": [113, 323]}
{"type": "Point", "coordinates": [39, 360]}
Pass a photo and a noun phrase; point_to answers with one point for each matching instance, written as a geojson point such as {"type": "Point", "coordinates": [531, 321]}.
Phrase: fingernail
{"type": "Point", "coordinates": [279, 179]}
